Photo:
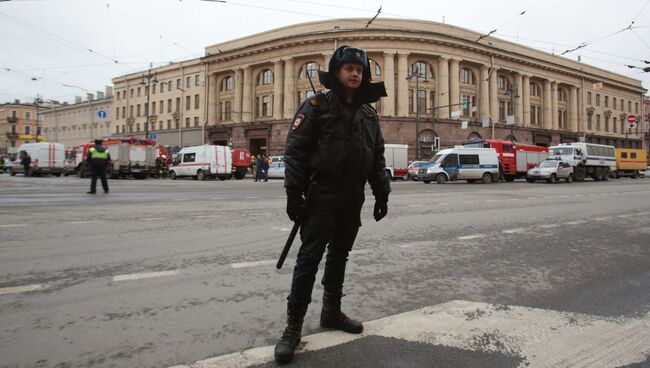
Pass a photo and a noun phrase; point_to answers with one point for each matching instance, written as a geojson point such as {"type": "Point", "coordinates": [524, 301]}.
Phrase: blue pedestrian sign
{"type": "Point", "coordinates": [102, 114]}
{"type": "Point", "coordinates": [152, 136]}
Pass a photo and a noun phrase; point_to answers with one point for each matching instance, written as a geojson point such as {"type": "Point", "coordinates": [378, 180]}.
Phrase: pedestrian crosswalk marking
{"type": "Point", "coordinates": [541, 337]}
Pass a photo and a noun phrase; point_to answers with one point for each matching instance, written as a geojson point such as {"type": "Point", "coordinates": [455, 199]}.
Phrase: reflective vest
{"type": "Point", "coordinates": [95, 154]}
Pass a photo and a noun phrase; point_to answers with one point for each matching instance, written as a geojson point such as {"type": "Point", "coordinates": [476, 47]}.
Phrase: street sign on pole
{"type": "Point", "coordinates": [631, 121]}
{"type": "Point", "coordinates": [153, 136]}
{"type": "Point", "coordinates": [102, 114]}
{"type": "Point", "coordinates": [631, 125]}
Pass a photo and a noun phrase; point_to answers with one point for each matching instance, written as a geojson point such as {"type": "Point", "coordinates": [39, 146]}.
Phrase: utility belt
{"type": "Point", "coordinates": [339, 182]}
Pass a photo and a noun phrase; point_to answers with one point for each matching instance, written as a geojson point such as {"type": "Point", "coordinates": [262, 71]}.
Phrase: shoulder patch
{"type": "Point", "coordinates": [297, 121]}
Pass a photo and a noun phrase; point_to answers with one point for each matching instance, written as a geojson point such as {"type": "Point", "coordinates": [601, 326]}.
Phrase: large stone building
{"type": "Point", "coordinates": [19, 123]}
{"type": "Point", "coordinates": [646, 124]}
{"type": "Point", "coordinates": [437, 76]}
{"type": "Point", "coordinates": [81, 122]}
{"type": "Point", "coordinates": [171, 97]}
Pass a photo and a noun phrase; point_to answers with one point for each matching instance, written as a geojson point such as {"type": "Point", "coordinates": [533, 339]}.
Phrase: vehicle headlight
{"type": "Point", "coordinates": [430, 170]}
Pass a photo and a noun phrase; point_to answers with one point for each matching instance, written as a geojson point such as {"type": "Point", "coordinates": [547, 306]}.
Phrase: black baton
{"type": "Point", "coordinates": [294, 230]}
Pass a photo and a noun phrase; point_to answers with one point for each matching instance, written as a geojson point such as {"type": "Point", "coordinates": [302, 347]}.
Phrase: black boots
{"type": "Point", "coordinates": [332, 317]}
{"type": "Point", "coordinates": [290, 339]}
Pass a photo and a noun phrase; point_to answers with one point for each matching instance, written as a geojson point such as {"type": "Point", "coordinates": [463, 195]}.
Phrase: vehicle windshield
{"type": "Point", "coordinates": [436, 158]}
{"type": "Point", "coordinates": [562, 151]}
{"type": "Point", "coordinates": [417, 163]}
{"type": "Point", "coordinates": [548, 164]}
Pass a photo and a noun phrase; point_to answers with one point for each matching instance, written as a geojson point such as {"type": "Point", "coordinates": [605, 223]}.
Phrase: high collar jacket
{"type": "Point", "coordinates": [335, 144]}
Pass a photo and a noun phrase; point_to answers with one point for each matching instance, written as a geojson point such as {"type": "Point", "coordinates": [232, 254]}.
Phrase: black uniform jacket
{"type": "Point", "coordinates": [336, 144]}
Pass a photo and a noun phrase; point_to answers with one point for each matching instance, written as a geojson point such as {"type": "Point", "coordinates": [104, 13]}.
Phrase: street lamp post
{"type": "Point", "coordinates": [417, 107]}
{"type": "Point", "coordinates": [513, 93]}
{"type": "Point", "coordinates": [150, 78]}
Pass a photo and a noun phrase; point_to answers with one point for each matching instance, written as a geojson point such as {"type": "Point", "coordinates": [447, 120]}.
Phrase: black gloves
{"type": "Point", "coordinates": [381, 208]}
{"type": "Point", "coordinates": [295, 206]}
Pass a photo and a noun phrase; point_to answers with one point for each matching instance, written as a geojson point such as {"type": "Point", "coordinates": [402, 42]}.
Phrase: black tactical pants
{"type": "Point", "coordinates": [98, 171]}
{"type": "Point", "coordinates": [332, 221]}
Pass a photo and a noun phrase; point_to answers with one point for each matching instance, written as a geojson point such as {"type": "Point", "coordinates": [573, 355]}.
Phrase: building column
{"type": "Point", "coordinates": [388, 103]}
{"type": "Point", "coordinates": [239, 82]}
{"type": "Point", "coordinates": [213, 101]}
{"type": "Point", "coordinates": [554, 106]}
{"type": "Point", "coordinates": [484, 90]}
{"type": "Point", "coordinates": [289, 89]}
{"type": "Point", "coordinates": [278, 84]}
{"type": "Point", "coordinates": [494, 95]}
{"type": "Point", "coordinates": [326, 60]}
{"type": "Point", "coordinates": [454, 85]}
{"type": "Point", "coordinates": [402, 85]}
{"type": "Point", "coordinates": [443, 88]}
{"type": "Point", "coordinates": [247, 100]}
{"type": "Point", "coordinates": [546, 114]}
{"type": "Point", "coordinates": [573, 109]}
{"type": "Point", "coordinates": [518, 109]}
{"type": "Point", "coordinates": [525, 86]}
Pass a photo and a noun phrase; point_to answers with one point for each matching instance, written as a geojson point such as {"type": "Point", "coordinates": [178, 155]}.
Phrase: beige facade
{"type": "Point", "coordinates": [176, 104]}
{"type": "Point", "coordinates": [81, 122]}
{"type": "Point", "coordinates": [19, 123]}
{"type": "Point", "coordinates": [253, 86]}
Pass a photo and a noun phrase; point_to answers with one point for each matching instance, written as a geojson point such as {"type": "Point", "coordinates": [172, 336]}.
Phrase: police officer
{"type": "Point", "coordinates": [334, 147]}
{"type": "Point", "coordinates": [98, 160]}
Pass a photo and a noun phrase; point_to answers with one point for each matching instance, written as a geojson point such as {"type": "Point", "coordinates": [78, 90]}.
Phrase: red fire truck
{"type": "Point", "coordinates": [129, 156]}
{"type": "Point", "coordinates": [515, 159]}
{"type": "Point", "coordinates": [241, 162]}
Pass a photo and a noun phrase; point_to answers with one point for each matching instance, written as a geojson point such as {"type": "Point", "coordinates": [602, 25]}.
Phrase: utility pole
{"type": "Point", "coordinates": [417, 107]}
{"type": "Point", "coordinates": [150, 78]}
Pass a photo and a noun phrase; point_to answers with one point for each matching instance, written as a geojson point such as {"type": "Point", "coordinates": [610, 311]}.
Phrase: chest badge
{"type": "Point", "coordinates": [297, 121]}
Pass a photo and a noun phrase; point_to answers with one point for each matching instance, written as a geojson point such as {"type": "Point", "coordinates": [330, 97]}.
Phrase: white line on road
{"type": "Point", "coordinates": [442, 203]}
{"type": "Point", "coordinates": [251, 197]}
{"type": "Point", "coordinates": [602, 218]}
{"type": "Point", "coordinates": [543, 337]}
{"type": "Point", "coordinates": [145, 275]}
{"type": "Point", "coordinates": [492, 200]}
{"type": "Point", "coordinates": [579, 195]}
{"type": "Point", "coordinates": [153, 219]}
{"type": "Point", "coordinates": [548, 226]}
{"type": "Point", "coordinates": [206, 216]}
{"type": "Point", "coordinates": [217, 198]}
{"type": "Point", "coordinates": [624, 216]}
{"type": "Point", "coordinates": [21, 289]}
{"type": "Point", "coordinates": [564, 196]}
{"type": "Point", "coordinates": [577, 222]}
{"type": "Point", "coordinates": [532, 197]}
{"type": "Point", "coordinates": [471, 237]}
{"type": "Point", "coordinates": [285, 229]}
{"type": "Point", "coordinates": [82, 222]}
{"type": "Point", "coordinates": [13, 225]}
{"type": "Point", "coordinates": [253, 264]}
{"type": "Point", "coordinates": [416, 205]}
{"type": "Point", "coordinates": [514, 231]}
{"type": "Point", "coordinates": [513, 199]}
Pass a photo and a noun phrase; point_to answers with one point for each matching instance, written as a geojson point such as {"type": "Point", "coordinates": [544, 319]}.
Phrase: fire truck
{"type": "Point", "coordinates": [129, 156]}
{"type": "Point", "coordinates": [241, 162]}
{"type": "Point", "coordinates": [515, 159]}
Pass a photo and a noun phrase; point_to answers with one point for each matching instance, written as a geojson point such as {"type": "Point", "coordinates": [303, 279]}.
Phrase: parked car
{"type": "Point", "coordinates": [551, 171]}
{"type": "Point", "coordinates": [413, 169]}
{"type": "Point", "coordinates": [276, 170]}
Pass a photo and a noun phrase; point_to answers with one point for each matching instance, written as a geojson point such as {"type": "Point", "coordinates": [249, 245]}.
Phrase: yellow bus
{"type": "Point", "coordinates": [629, 162]}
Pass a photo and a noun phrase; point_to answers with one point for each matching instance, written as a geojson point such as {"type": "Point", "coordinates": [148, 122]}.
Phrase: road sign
{"type": "Point", "coordinates": [631, 119]}
{"type": "Point", "coordinates": [631, 125]}
{"type": "Point", "coordinates": [153, 136]}
{"type": "Point", "coordinates": [102, 114]}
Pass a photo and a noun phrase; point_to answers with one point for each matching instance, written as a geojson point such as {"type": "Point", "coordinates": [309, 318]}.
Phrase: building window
{"type": "Point", "coordinates": [161, 107]}
{"type": "Point", "coordinates": [196, 121]}
{"type": "Point", "coordinates": [614, 102]}
{"type": "Point", "coordinates": [28, 115]}
{"type": "Point", "coordinates": [187, 122]}
{"type": "Point", "coordinates": [311, 69]}
{"type": "Point", "coordinates": [117, 112]}
{"type": "Point", "coordinates": [226, 111]}
{"type": "Point", "coordinates": [606, 123]}
{"type": "Point", "coordinates": [411, 108]}
{"type": "Point", "coordinates": [188, 82]}
{"type": "Point", "coordinates": [534, 90]}
{"type": "Point", "coordinates": [589, 98]}
{"type": "Point", "coordinates": [562, 95]}
{"type": "Point", "coordinates": [169, 105]}
{"type": "Point", "coordinates": [629, 106]}
{"type": "Point", "coordinates": [188, 102]}
{"type": "Point", "coordinates": [178, 104]}
{"type": "Point", "coordinates": [502, 83]}
{"type": "Point", "coordinates": [117, 129]}
{"type": "Point", "coordinates": [590, 118]}
{"type": "Point", "coordinates": [178, 83]}
{"type": "Point", "coordinates": [131, 111]}
{"type": "Point", "coordinates": [502, 110]}
{"type": "Point", "coordinates": [598, 122]}
{"type": "Point", "coordinates": [227, 84]}
{"type": "Point", "coordinates": [169, 86]}
{"type": "Point", "coordinates": [28, 129]}
{"type": "Point", "coordinates": [137, 127]}
{"type": "Point", "coordinates": [467, 77]}
{"type": "Point", "coordinates": [138, 110]}
{"type": "Point", "coordinates": [196, 102]}
{"type": "Point", "coordinates": [177, 123]}
{"type": "Point", "coordinates": [131, 93]}
{"type": "Point", "coordinates": [375, 67]}
{"type": "Point", "coordinates": [422, 69]}
{"type": "Point", "coordinates": [197, 80]}
{"type": "Point", "coordinates": [265, 78]}
{"type": "Point", "coordinates": [169, 123]}
{"type": "Point", "coordinates": [138, 93]}
{"type": "Point", "coordinates": [422, 101]}
{"type": "Point", "coordinates": [153, 107]}
{"type": "Point", "coordinates": [622, 103]}
{"type": "Point", "coordinates": [597, 99]}
{"type": "Point", "coordinates": [266, 105]}
{"type": "Point", "coordinates": [162, 87]}
{"type": "Point", "coordinates": [561, 116]}
{"type": "Point", "coordinates": [636, 107]}
{"type": "Point", "coordinates": [123, 113]}
{"type": "Point", "coordinates": [606, 101]}
{"type": "Point", "coordinates": [614, 122]}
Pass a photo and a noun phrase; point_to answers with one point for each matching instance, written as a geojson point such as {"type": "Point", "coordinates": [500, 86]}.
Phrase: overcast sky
{"type": "Point", "coordinates": [48, 44]}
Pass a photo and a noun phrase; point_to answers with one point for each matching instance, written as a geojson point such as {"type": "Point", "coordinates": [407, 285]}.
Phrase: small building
{"type": "Point", "coordinates": [19, 123]}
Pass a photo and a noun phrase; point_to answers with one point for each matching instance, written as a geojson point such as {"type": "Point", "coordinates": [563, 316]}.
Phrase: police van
{"type": "Point", "coordinates": [202, 162]}
{"type": "Point", "coordinates": [471, 164]}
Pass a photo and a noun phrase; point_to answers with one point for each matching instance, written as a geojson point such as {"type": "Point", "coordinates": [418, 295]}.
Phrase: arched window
{"type": "Point", "coordinates": [309, 68]}
{"type": "Point", "coordinates": [467, 76]}
{"type": "Point", "coordinates": [534, 89]}
{"type": "Point", "coordinates": [562, 95]}
{"type": "Point", "coordinates": [227, 84]}
{"type": "Point", "coordinates": [265, 78]}
{"type": "Point", "coordinates": [473, 136]}
{"type": "Point", "coordinates": [375, 69]}
{"type": "Point", "coordinates": [503, 83]}
{"type": "Point", "coordinates": [422, 68]}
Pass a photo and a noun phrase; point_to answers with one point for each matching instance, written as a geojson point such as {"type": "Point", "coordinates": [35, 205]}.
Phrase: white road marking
{"type": "Point", "coordinates": [275, 228]}
{"type": "Point", "coordinates": [624, 216]}
{"type": "Point", "coordinates": [577, 222]}
{"type": "Point", "coordinates": [514, 231]}
{"type": "Point", "coordinates": [492, 200]}
{"type": "Point", "coordinates": [416, 205]}
{"type": "Point", "coordinates": [471, 237]}
{"type": "Point", "coordinates": [285, 229]}
{"type": "Point", "coordinates": [548, 226]}
{"type": "Point", "coordinates": [216, 198]}
{"type": "Point", "coordinates": [442, 203]}
{"type": "Point", "coordinates": [579, 195]}
{"type": "Point", "coordinates": [82, 222]}
{"type": "Point", "coordinates": [564, 196]}
{"type": "Point", "coordinates": [253, 264]}
{"type": "Point", "coordinates": [13, 225]}
{"type": "Point", "coordinates": [153, 219]}
{"type": "Point", "coordinates": [544, 338]}
{"type": "Point", "coordinates": [21, 289]}
{"type": "Point", "coordinates": [602, 218]}
{"type": "Point", "coordinates": [513, 199]}
{"type": "Point", "coordinates": [251, 197]}
{"type": "Point", "coordinates": [549, 197]}
{"type": "Point", "coordinates": [206, 216]}
{"type": "Point", "coordinates": [145, 275]}
{"type": "Point", "coordinates": [532, 197]}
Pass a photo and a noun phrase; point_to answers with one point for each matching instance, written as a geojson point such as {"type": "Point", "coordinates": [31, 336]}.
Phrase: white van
{"type": "Point", "coordinates": [469, 164]}
{"type": "Point", "coordinates": [201, 162]}
{"type": "Point", "coordinates": [47, 158]}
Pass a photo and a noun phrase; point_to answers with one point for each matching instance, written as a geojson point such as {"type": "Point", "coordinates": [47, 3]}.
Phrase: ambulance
{"type": "Point", "coordinates": [47, 158]}
{"type": "Point", "coordinates": [202, 162]}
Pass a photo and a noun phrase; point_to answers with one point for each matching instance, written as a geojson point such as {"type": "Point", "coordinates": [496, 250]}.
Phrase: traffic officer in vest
{"type": "Point", "coordinates": [334, 146]}
{"type": "Point", "coordinates": [98, 159]}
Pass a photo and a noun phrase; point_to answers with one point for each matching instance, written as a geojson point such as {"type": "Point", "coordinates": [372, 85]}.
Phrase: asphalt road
{"type": "Point", "coordinates": [161, 273]}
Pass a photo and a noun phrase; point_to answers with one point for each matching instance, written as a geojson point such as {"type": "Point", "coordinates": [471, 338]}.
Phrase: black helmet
{"type": "Point", "coordinates": [369, 92]}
